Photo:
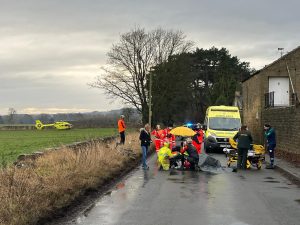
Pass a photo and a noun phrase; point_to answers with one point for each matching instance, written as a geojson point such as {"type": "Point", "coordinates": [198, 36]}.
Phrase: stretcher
{"type": "Point", "coordinates": [255, 156]}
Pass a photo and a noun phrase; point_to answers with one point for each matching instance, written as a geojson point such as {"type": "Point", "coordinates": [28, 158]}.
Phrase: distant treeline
{"type": "Point", "coordinates": [82, 120]}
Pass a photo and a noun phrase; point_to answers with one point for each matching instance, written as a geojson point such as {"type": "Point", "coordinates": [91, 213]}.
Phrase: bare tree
{"type": "Point", "coordinates": [128, 112]}
{"type": "Point", "coordinates": [130, 62]}
{"type": "Point", "coordinates": [11, 115]}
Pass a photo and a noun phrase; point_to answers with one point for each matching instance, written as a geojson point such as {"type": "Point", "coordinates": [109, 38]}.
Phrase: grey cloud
{"type": "Point", "coordinates": [47, 92]}
{"type": "Point", "coordinates": [55, 54]}
{"type": "Point", "coordinates": [63, 16]}
{"type": "Point", "coordinates": [50, 49]}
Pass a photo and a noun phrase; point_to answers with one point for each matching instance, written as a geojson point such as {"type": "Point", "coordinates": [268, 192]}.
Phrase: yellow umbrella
{"type": "Point", "coordinates": [183, 131]}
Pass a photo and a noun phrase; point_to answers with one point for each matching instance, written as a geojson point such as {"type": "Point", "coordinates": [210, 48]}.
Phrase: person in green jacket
{"type": "Point", "coordinates": [245, 140]}
{"type": "Point", "coordinates": [271, 144]}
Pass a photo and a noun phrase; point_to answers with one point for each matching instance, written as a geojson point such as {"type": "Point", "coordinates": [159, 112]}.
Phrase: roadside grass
{"type": "Point", "coordinates": [58, 177]}
{"type": "Point", "coordinates": [16, 142]}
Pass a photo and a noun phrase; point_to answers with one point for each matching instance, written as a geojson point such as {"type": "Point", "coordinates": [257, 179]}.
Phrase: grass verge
{"type": "Point", "coordinates": [16, 142]}
{"type": "Point", "coordinates": [53, 181]}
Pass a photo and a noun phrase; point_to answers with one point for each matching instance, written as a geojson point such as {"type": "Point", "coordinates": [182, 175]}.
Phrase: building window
{"type": "Point", "coordinates": [269, 99]}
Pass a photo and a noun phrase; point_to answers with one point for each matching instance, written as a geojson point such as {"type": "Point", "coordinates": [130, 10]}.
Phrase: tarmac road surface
{"type": "Point", "coordinates": [187, 198]}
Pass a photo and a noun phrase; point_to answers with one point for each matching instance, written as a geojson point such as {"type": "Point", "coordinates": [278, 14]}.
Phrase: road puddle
{"type": "Point", "coordinates": [242, 177]}
{"type": "Point", "coordinates": [175, 180]}
{"type": "Point", "coordinates": [272, 181]}
{"type": "Point", "coordinates": [173, 172]}
{"type": "Point", "coordinates": [283, 187]}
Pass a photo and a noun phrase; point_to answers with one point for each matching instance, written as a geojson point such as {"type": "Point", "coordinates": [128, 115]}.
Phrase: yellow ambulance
{"type": "Point", "coordinates": [221, 123]}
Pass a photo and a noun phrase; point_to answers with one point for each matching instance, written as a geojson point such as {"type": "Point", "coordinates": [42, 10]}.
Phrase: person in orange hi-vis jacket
{"type": "Point", "coordinates": [170, 137]}
{"type": "Point", "coordinates": [122, 128]}
{"type": "Point", "coordinates": [159, 135]}
{"type": "Point", "coordinates": [198, 139]}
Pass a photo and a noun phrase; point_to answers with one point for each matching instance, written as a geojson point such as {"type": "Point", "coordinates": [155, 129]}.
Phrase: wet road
{"type": "Point", "coordinates": [183, 197]}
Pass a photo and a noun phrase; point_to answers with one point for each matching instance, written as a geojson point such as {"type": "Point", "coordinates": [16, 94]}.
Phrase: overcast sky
{"type": "Point", "coordinates": [51, 49]}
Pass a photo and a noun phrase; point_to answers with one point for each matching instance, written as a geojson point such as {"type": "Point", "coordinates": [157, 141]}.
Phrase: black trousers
{"type": "Point", "coordinates": [193, 161]}
{"type": "Point", "coordinates": [242, 158]}
{"type": "Point", "coordinates": [122, 137]}
{"type": "Point", "coordinates": [271, 150]}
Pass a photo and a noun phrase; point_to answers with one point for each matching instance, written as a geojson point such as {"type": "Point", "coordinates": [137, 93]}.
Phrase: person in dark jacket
{"type": "Point", "coordinates": [271, 144]}
{"type": "Point", "coordinates": [193, 157]}
{"type": "Point", "coordinates": [145, 138]}
{"type": "Point", "coordinates": [245, 140]}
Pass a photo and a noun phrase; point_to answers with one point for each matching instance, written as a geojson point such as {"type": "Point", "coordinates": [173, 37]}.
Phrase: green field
{"type": "Point", "coordinates": [14, 143]}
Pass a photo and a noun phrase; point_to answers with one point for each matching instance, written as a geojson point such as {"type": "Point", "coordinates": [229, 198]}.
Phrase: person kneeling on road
{"type": "Point", "coordinates": [193, 157]}
{"type": "Point", "coordinates": [163, 157]}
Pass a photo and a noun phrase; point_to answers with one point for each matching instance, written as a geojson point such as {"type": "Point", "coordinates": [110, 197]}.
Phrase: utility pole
{"type": "Point", "coordinates": [150, 97]}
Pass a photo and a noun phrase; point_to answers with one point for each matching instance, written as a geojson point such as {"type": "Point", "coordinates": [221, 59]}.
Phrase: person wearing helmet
{"type": "Point", "coordinates": [193, 157]}
{"type": "Point", "coordinates": [122, 127]}
{"type": "Point", "coordinates": [164, 155]}
{"type": "Point", "coordinates": [198, 138]}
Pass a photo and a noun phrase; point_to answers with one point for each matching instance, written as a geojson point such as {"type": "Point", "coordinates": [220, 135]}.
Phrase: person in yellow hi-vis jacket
{"type": "Point", "coordinates": [163, 157]}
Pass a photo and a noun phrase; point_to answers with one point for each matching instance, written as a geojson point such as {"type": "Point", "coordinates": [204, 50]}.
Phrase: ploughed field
{"type": "Point", "coordinates": [16, 142]}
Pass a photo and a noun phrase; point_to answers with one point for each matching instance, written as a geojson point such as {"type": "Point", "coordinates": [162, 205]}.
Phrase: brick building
{"type": "Point", "coordinates": [270, 96]}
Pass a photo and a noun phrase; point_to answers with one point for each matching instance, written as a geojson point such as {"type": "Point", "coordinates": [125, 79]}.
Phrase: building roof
{"type": "Point", "coordinates": [267, 66]}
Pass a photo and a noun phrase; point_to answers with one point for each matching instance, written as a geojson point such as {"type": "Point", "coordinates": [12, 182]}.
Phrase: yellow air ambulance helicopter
{"type": "Point", "coordinates": [60, 125]}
